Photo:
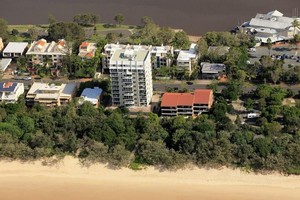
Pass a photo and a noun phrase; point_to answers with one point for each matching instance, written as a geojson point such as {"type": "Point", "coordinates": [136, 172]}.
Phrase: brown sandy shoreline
{"type": "Point", "coordinates": [68, 180]}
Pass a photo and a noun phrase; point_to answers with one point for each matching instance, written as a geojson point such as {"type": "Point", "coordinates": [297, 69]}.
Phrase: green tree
{"type": "Point", "coordinates": [181, 40]}
{"type": "Point", "coordinates": [33, 33]}
{"type": "Point", "coordinates": [295, 24]}
{"type": "Point", "coordinates": [65, 30]}
{"type": "Point", "coordinates": [269, 45]}
{"type": "Point", "coordinates": [119, 18]}
{"type": "Point", "coordinates": [14, 32]}
{"type": "Point", "coordinates": [87, 19]}
{"type": "Point", "coordinates": [3, 29]}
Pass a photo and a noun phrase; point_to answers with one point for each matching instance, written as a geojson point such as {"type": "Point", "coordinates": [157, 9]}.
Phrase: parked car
{"type": "Point", "coordinates": [189, 83]}
{"type": "Point", "coordinates": [27, 78]}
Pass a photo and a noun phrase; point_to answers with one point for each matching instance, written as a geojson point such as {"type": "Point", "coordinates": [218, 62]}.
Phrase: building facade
{"type": "Point", "coordinates": [131, 77]}
{"type": "Point", "coordinates": [187, 58]}
{"type": "Point", "coordinates": [187, 104]}
{"type": "Point", "coordinates": [10, 91]}
{"type": "Point", "coordinates": [41, 52]}
{"type": "Point", "coordinates": [50, 95]}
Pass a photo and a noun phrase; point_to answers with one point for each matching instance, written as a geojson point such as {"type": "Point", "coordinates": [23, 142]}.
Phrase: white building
{"type": "Point", "coordinates": [131, 77]}
{"type": "Point", "coordinates": [50, 95]}
{"type": "Point", "coordinates": [212, 70]}
{"type": "Point", "coordinates": [92, 95]}
{"type": "Point", "coordinates": [272, 25]}
{"type": "Point", "coordinates": [52, 53]}
{"type": "Point", "coordinates": [160, 55]}
{"type": "Point", "coordinates": [4, 63]}
{"type": "Point", "coordinates": [14, 49]}
{"type": "Point", "coordinates": [87, 50]}
{"type": "Point", "coordinates": [10, 91]}
{"type": "Point", "coordinates": [186, 58]}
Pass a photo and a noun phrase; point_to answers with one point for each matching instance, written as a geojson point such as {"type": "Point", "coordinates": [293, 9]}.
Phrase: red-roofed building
{"type": "Point", "coordinates": [187, 104]}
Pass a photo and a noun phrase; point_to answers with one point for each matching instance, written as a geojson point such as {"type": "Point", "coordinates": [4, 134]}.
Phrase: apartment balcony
{"type": "Point", "coordinates": [129, 103]}
{"type": "Point", "coordinates": [128, 94]}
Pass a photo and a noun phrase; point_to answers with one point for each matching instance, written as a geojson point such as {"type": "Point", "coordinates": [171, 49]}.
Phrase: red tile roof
{"type": "Point", "coordinates": [7, 84]}
{"type": "Point", "coordinates": [169, 100]}
{"type": "Point", "coordinates": [84, 44]}
{"type": "Point", "coordinates": [185, 99]}
{"type": "Point", "coordinates": [202, 96]}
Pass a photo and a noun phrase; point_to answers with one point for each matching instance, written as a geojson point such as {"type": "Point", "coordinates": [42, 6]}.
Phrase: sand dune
{"type": "Point", "coordinates": [69, 180]}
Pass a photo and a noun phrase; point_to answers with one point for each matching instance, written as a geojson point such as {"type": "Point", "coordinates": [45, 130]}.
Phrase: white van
{"type": "Point", "coordinates": [252, 115]}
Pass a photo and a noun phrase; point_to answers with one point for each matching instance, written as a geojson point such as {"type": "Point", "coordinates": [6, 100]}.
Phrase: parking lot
{"type": "Point", "coordinates": [286, 52]}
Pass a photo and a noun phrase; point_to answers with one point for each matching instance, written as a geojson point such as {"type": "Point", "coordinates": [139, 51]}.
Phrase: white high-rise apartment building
{"type": "Point", "coordinates": [131, 77]}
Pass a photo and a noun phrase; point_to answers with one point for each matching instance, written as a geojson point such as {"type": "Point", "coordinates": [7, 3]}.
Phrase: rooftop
{"type": "Point", "coordinates": [200, 96]}
{"type": "Point", "coordinates": [91, 94]}
{"type": "Point", "coordinates": [8, 86]}
{"type": "Point", "coordinates": [15, 47]}
{"type": "Point", "coordinates": [129, 55]}
{"type": "Point", "coordinates": [4, 63]}
{"type": "Point", "coordinates": [212, 68]}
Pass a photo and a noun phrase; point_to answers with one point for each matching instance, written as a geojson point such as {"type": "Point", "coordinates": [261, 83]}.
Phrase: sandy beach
{"type": "Point", "coordinates": [69, 180]}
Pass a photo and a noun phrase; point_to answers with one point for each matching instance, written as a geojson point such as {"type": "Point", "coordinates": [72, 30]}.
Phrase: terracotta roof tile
{"type": "Point", "coordinates": [202, 96]}
{"type": "Point", "coordinates": [169, 99]}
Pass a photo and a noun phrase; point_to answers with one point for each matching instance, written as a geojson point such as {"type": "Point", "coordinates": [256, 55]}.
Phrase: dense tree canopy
{"type": "Point", "coordinates": [65, 30]}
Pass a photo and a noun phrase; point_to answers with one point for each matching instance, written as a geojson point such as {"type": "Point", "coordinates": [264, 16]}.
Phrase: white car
{"type": "Point", "coordinates": [27, 78]}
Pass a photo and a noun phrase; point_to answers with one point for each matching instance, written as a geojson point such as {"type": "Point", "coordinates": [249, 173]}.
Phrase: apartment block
{"type": "Point", "coordinates": [14, 49]}
{"type": "Point", "coordinates": [186, 58]}
{"type": "Point", "coordinates": [186, 104]}
{"type": "Point", "coordinates": [50, 95]}
{"type": "Point", "coordinates": [131, 77]}
{"type": "Point", "coordinates": [41, 52]}
{"type": "Point", "coordinates": [160, 55]}
{"type": "Point", "coordinates": [10, 91]}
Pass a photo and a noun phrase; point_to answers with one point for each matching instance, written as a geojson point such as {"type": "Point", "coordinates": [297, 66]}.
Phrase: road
{"type": "Point", "coordinates": [163, 86]}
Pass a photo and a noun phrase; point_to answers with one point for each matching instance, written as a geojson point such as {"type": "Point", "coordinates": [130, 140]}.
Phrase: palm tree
{"type": "Point", "coordinates": [295, 24]}
{"type": "Point", "coordinates": [269, 45]}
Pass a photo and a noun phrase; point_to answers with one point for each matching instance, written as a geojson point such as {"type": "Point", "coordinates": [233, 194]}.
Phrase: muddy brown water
{"type": "Point", "coordinates": [194, 16]}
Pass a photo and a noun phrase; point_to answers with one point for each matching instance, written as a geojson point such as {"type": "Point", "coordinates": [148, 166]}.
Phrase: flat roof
{"type": "Point", "coordinates": [15, 47]}
{"type": "Point", "coordinates": [4, 63]}
{"type": "Point", "coordinates": [8, 86]}
{"type": "Point", "coordinates": [129, 55]}
{"type": "Point", "coordinates": [212, 68]}
{"type": "Point", "coordinates": [91, 94]}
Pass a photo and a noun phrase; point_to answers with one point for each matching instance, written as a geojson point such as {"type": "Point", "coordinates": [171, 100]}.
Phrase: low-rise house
{"type": "Point", "coordinates": [212, 70]}
{"type": "Point", "coordinates": [10, 91]}
{"type": "Point", "coordinates": [219, 50]}
{"type": "Point", "coordinates": [14, 49]}
{"type": "Point", "coordinates": [160, 55]}
{"type": "Point", "coordinates": [92, 95]}
{"type": "Point", "coordinates": [50, 94]}
{"type": "Point", "coordinates": [186, 58]}
{"type": "Point", "coordinates": [41, 52]}
{"type": "Point", "coordinates": [87, 50]}
{"type": "Point", "coordinates": [187, 104]}
{"type": "Point", "coordinates": [4, 63]}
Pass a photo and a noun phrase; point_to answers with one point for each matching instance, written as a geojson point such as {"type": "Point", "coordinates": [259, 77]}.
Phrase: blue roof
{"type": "Point", "coordinates": [91, 94]}
{"type": "Point", "coordinates": [7, 89]}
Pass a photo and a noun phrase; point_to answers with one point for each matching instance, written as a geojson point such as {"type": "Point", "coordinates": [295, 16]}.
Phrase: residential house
{"type": "Point", "coordinates": [160, 55]}
{"type": "Point", "coordinates": [10, 91]}
{"type": "Point", "coordinates": [131, 77]}
{"type": "Point", "coordinates": [14, 49]}
{"type": "Point", "coordinates": [87, 50]}
{"type": "Point", "coordinates": [212, 70]}
{"type": "Point", "coordinates": [186, 104]}
{"type": "Point", "coordinates": [4, 63]}
{"type": "Point", "coordinates": [43, 53]}
{"type": "Point", "coordinates": [187, 58]}
{"type": "Point", "coordinates": [50, 94]}
{"type": "Point", "coordinates": [92, 95]}
{"type": "Point", "coordinates": [272, 25]}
